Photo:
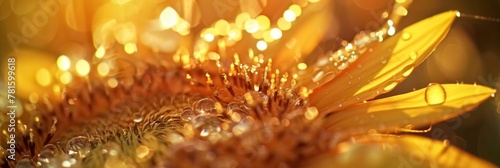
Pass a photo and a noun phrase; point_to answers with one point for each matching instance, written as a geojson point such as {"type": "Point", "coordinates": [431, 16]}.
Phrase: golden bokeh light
{"type": "Point", "coordinates": [222, 26]}
{"type": "Point", "coordinates": [283, 24]}
{"type": "Point", "coordinates": [209, 37]}
{"type": "Point", "coordinates": [241, 20]}
{"type": "Point", "coordinates": [296, 9]}
{"type": "Point", "coordinates": [100, 52]}
{"type": "Point", "coordinates": [251, 26]}
{"type": "Point", "coordinates": [103, 69]}
{"type": "Point", "coordinates": [63, 63]}
{"type": "Point", "coordinates": [130, 48]}
{"type": "Point", "coordinates": [169, 17]}
{"type": "Point", "coordinates": [112, 82]}
{"type": "Point", "coordinates": [82, 67]}
{"type": "Point", "coordinates": [65, 77]}
{"type": "Point", "coordinates": [302, 66]}
{"type": "Point", "coordinates": [276, 33]}
{"type": "Point", "coordinates": [289, 15]}
{"type": "Point", "coordinates": [43, 77]}
{"type": "Point", "coordinates": [261, 45]}
{"type": "Point", "coordinates": [263, 21]}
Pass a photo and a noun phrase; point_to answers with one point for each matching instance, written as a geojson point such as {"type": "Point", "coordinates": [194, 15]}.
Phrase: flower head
{"type": "Point", "coordinates": [226, 84]}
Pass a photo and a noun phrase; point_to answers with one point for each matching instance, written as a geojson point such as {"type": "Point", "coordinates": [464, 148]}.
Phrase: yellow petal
{"type": "Point", "coordinates": [304, 35]}
{"type": "Point", "coordinates": [328, 66]}
{"type": "Point", "coordinates": [189, 10]}
{"type": "Point", "coordinates": [405, 151]}
{"type": "Point", "coordinates": [418, 108]}
{"type": "Point", "coordinates": [252, 7]}
{"type": "Point", "coordinates": [389, 63]}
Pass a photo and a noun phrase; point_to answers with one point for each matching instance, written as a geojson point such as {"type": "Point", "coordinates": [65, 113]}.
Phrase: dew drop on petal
{"type": "Point", "coordinates": [413, 55]}
{"type": "Point", "coordinates": [342, 66]}
{"type": "Point", "coordinates": [319, 75]}
{"type": "Point", "coordinates": [79, 146]}
{"type": "Point", "coordinates": [390, 86]}
{"type": "Point", "coordinates": [236, 114]}
{"type": "Point", "coordinates": [137, 117]}
{"type": "Point", "coordinates": [205, 105]}
{"type": "Point", "coordinates": [408, 70]}
{"type": "Point", "coordinates": [175, 138]}
{"type": "Point", "coordinates": [435, 94]}
{"type": "Point", "coordinates": [206, 125]}
{"type": "Point", "coordinates": [406, 36]}
{"type": "Point", "coordinates": [384, 61]}
{"type": "Point", "coordinates": [142, 151]}
{"type": "Point", "coordinates": [25, 162]}
{"type": "Point", "coordinates": [187, 114]}
{"type": "Point", "coordinates": [47, 153]}
{"type": "Point", "coordinates": [446, 142]}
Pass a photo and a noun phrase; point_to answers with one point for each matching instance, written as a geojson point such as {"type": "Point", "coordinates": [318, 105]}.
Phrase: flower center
{"type": "Point", "coordinates": [168, 117]}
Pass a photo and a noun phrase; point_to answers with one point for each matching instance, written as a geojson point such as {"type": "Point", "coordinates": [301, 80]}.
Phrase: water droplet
{"type": "Point", "coordinates": [406, 36]}
{"type": "Point", "coordinates": [187, 114]}
{"type": "Point", "coordinates": [353, 58]}
{"type": "Point", "coordinates": [25, 162]}
{"type": "Point", "coordinates": [319, 75]}
{"type": "Point", "coordinates": [407, 70]}
{"type": "Point", "coordinates": [233, 105]}
{"type": "Point", "coordinates": [137, 117]}
{"type": "Point", "coordinates": [435, 94]}
{"type": "Point", "coordinates": [236, 114]}
{"type": "Point", "coordinates": [342, 66]}
{"type": "Point", "coordinates": [66, 163]}
{"type": "Point", "coordinates": [79, 146]}
{"type": "Point", "coordinates": [384, 61]}
{"type": "Point", "coordinates": [175, 138]}
{"type": "Point", "coordinates": [206, 125]}
{"type": "Point", "coordinates": [390, 86]}
{"type": "Point", "coordinates": [413, 55]}
{"type": "Point", "coordinates": [47, 153]}
{"type": "Point", "coordinates": [446, 142]}
{"type": "Point", "coordinates": [205, 105]}
{"type": "Point", "coordinates": [142, 152]}
{"type": "Point", "coordinates": [311, 113]}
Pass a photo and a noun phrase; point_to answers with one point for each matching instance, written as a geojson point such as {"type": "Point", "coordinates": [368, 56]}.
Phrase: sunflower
{"type": "Point", "coordinates": [222, 84]}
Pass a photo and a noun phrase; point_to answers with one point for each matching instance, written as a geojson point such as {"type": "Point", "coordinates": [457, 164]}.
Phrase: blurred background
{"type": "Point", "coordinates": [469, 54]}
